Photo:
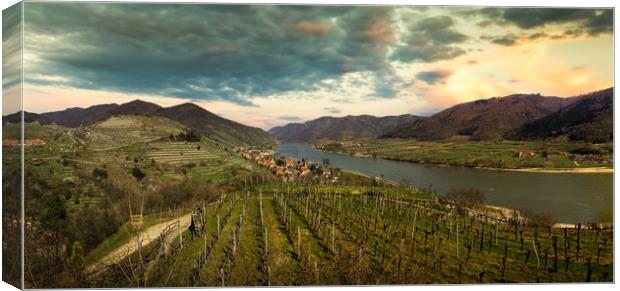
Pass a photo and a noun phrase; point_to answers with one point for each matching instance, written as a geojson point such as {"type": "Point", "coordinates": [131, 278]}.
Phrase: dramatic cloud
{"type": "Point", "coordinates": [11, 59]}
{"type": "Point", "coordinates": [11, 46]}
{"type": "Point", "coordinates": [591, 22]}
{"type": "Point", "coordinates": [431, 39]}
{"type": "Point", "coordinates": [434, 77]}
{"type": "Point", "coordinates": [213, 52]}
{"type": "Point", "coordinates": [251, 62]}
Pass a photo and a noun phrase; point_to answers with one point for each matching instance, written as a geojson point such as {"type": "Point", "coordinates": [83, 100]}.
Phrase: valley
{"type": "Point", "coordinates": [204, 145]}
{"type": "Point", "coordinates": [137, 195]}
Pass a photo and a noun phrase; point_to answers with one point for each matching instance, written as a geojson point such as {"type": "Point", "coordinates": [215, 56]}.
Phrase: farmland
{"type": "Point", "coordinates": [276, 234]}
{"type": "Point", "coordinates": [457, 151]}
{"type": "Point", "coordinates": [84, 184]}
{"type": "Point", "coordinates": [87, 184]}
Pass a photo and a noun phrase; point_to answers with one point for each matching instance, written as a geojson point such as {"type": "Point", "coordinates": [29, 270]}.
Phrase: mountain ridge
{"type": "Point", "coordinates": [349, 127]}
{"type": "Point", "coordinates": [190, 115]}
{"type": "Point", "coordinates": [590, 119]}
{"type": "Point", "coordinates": [484, 119]}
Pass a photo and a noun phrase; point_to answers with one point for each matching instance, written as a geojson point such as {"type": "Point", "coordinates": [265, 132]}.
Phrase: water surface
{"type": "Point", "coordinates": [570, 197]}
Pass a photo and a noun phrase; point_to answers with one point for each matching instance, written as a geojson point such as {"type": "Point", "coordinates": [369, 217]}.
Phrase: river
{"type": "Point", "coordinates": [569, 197]}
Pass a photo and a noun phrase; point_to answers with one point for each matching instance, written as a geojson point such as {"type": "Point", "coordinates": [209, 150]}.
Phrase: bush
{"type": "Point", "coordinates": [586, 151]}
{"type": "Point", "coordinates": [543, 219]}
{"type": "Point", "coordinates": [137, 173]}
{"type": "Point", "coordinates": [465, 197]}
{"type": "Point", "coordinates": [100, 173]}
{"type": "Point", "coordinates": [189, 136]}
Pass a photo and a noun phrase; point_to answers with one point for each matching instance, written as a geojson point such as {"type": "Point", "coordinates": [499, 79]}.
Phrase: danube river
{"type": "Point", "coordinates": [570, 197]}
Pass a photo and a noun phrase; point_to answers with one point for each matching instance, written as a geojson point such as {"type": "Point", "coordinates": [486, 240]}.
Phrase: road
{"type": "Point", "coordinates": [145, 237]}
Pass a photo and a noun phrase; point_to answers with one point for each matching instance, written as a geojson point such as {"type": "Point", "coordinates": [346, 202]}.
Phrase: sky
{"type": "Point", "coordinates": [268, 65]}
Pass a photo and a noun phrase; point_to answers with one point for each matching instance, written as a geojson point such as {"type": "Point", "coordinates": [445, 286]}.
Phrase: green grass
{"type": "Point", "coordinates": [489, 154]}
{"type": "Point", "coordinates": [124, 234]}
{"type": "Point", "coordinates": [369, 254]}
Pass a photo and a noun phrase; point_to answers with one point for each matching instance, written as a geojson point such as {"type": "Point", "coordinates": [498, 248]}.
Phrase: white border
{"type": "Point", "coordinates": [546, 3]}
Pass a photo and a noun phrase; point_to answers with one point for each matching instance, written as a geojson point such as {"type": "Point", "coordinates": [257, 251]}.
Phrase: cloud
{"type": "Point", "coordinates": [11, 46]}
{"type": "Point", "coordinates": [252, 56]}
{"type": "Point", "coordinates": [507, 40]}
{"type": "Point", "coordinates": [434, 77]}
{"type": "Point", "coordinates": [289, 118]}
{"type": "Point", "coordinates": [332, 110]}
{"type": "Point", "coordinates": [431, 39]}
{"type": "Point", "coordinates": [208, 52]}
{"type": "Point", "coordinates": [591, 22]}
{"type": "Point", "coordinates": [314, 28]}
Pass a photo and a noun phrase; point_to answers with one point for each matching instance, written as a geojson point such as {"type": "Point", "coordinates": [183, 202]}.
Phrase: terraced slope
{"type": "Point", "coordinates": [180, 152]}
{"type": "Point", "coordinates": [122, 130]}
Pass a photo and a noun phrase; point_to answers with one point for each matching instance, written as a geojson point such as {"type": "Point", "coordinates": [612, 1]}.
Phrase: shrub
{"type": "Point", "coordinates": [100, 173]}
{"type": "Point", "coordinates": [543, 219]}
{"type": "Point", "coordinates": [586, 151]}
{"type": "Point", "coordinates": [465, 197]}
{"type": "Point", "coordinates": [137, 173]}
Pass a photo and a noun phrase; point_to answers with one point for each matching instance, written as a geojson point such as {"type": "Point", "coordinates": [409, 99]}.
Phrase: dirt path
{"type": "Point", "coordinates": [146, 236]}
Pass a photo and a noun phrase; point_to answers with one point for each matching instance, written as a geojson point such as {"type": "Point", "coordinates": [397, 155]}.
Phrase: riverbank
{"type": "Point", "coordinates": [593, 170]}
{"type": "Point", "coordinates": [559, 194]}
{"type": "Point", "coordinates": [536, 157]}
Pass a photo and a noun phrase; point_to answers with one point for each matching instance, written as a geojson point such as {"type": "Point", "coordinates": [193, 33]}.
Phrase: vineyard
{"type": "Point", "coordinates": [275, 234]}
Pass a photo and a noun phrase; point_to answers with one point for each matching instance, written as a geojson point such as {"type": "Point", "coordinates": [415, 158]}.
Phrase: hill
{"type": "Point", "coordinates": [486, 119]}
{"type": "Point", "coordinates": [589, 119]}
{"type": "Point", "coordinates": [215, 127]}
{"type": "Point", "coordinates": [73, 117]}
{"type": "Point", "coordinates": [190, 115]}
{"type": "Point", "coordinates": [340, 128]}
{"type": "Point", "coordinates": [29, 117]}
{"type": "Point", "coordinates": [120, 130]}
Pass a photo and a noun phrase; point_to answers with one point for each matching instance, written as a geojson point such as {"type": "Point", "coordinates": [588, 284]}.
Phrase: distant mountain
{"type": "Point", "coordinates": [589, 119]}
{"type": "Point", "coordinates": [190, 115]}
{"type": "Point", "coordinates": [28, 117]}
{"type": "Point", "coordinates": [482, 119]}
{"type": "Point", "coordinates": [340, 128]}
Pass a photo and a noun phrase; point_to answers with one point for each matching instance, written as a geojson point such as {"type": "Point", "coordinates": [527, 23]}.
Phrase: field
{"type": "Point", "coordinates": [85, 183]}
{"type": "Point", "coordinates": [274, 234]}
{"type": "Point", "coordinates": [457, 151]}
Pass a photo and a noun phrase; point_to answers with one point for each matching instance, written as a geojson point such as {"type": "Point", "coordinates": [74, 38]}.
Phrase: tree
{"type": "Point", "coordinates": [543, 219]}
{"type": "Point", "coordinates": [54, 218]}
{"type": "Point", "coordinates": [77, 259]}
{"type": "Point", "coordinates": [465, 197]}
{"type": "Point", "coordinates": [100, 173]}
{"type": "Point", "coordinates": [137, 173]}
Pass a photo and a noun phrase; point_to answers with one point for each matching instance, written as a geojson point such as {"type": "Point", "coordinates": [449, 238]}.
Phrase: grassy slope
{"type": "Point", "coordinates": [126, 129]}
{"type": "Point", "coordinates": [119, 144]}
{"type": "Point", "coordinates": [124, 234]}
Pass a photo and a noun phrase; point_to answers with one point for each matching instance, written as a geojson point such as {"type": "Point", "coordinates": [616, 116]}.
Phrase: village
{"type": "Point", "coordinates": [292, 170]}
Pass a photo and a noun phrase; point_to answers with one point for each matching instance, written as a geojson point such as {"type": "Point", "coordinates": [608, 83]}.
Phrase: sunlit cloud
{"type": "Point", "coordinates": [240, 63]}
